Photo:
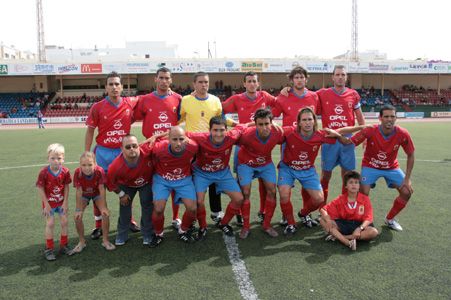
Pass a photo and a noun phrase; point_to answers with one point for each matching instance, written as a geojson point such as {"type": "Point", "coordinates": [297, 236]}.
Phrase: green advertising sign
{"type": "Point", "coordinates": [3, 69]}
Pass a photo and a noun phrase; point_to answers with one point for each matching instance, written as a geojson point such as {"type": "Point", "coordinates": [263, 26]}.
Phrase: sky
{"type": "Point", "coordinates": [239, 28]}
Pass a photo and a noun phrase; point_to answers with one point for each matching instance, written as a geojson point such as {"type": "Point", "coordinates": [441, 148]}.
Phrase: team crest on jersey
{"type": "Point", "coordinates": [382, 155]}
{"type": "Point", "coordinates": [174, 109]}
{"type": "Point", "coordinates": [56, 190]}
{"type": "Point", "coordinates": [202, 113]}
{"type": "Point", "coordinates": [395, 147]}
{"type": "Point", "coordinates": [227, 152]}
{"type": "Point", "coordinates": [217, 161]}
{"type": "Point", "coordinates": [350, 104]}
{"type": "Point", "coordinates": [163, 116]}
{"type": "Point", "coordinates": [361, 210]}
{"type": "Point", "coordinates": [139, 181]}
{"type": "Point", "coordinates": [303, 155]}
{"type": "Point", "coordinates": [117, 124]}
{"type": "Point", "coordinates": [338, 109]}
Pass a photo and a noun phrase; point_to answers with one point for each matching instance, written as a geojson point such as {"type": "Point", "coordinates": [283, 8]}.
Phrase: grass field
{"type": "Point", "coordinates": [413, 264]}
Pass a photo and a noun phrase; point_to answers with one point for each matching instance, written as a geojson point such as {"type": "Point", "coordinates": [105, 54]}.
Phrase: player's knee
{"type": "Point", "coordinates": [63, 222]}
{"type": "Point", "coordinates": [50, 223]}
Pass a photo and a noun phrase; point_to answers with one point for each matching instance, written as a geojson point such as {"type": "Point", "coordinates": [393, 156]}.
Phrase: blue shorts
{"type": "Point", "coordinates": [393, 178]}
{"type": "Point", "coordinates": [223, 180]}
{"type": "Point", "coordinates": [235, 158]}
{"type": "Point", "coordinates": [105, 156]}
{"type": "Point", "coordinates": [184, 189]}
{"type": "Point", "coordinates": [88, 199]}
{"type": "Point", "coordinates": [246, 173]}
{"type": "Point", "coordinates": [336, 154]}
{"type": "Point", "coordinates": [309, 179]}
{"type": "Point", "coordinates": [58, 210]}
{"type": "Point", "coordinates": [347, 227]}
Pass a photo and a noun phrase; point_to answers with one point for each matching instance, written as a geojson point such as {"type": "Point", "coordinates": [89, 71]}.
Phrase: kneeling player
{"type": "Point", "coordinates": [172, 160]}
{"type": "Point", "coordinates": [254, 161]}
{"type": "Point", "coordinates": [89, 180]}
{"type": "Point", "coordinates": [349, 217]}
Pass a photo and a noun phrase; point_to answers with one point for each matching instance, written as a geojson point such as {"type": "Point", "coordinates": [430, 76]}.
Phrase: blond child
{"type": "Point", "coordinates": [53, 189]}
{"type": "Point", "coordinates": [89, 180]}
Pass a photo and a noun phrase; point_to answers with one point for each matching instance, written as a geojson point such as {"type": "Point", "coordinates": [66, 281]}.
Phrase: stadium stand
{"type": "Point", "coordinates": [22, 105]}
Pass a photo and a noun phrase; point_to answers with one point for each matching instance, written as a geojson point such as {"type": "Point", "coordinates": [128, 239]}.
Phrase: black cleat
{"type": "Point", "coordinates": [260, 217]}
{"type": "Point", "coordinates": [49, 255]}
{"type": "Point", "coordinates": [186, 237]}
{"type": "Point", "coordinates": [239, 221]}
{"type": "Point", "coordinates": [307, 220]}
{"type": "Point", "coordinates": [155, 241]}
{"type": "Point", "coordinates": [290, 230]}
{"type": "Point", "coordinates": [96, 233]}
{"type": "Point", "coordinates": [201, 234]}
{"type": "Point", "coordinates": [226, 229]}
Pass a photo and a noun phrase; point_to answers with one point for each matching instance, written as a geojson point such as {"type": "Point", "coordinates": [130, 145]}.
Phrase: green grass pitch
{"type": "Point", "coordinates": [413, 264]}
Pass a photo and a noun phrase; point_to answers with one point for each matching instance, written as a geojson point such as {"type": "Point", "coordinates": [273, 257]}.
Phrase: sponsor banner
{"type": "Point", "coordinates": [275, 66]}
{"type": "Point", "coordinates": [18, 121]}
{"type": "Point", "coordinates": [399, 68]}
{"type": "Point", "coordinates": [108, 68]}
{"type": "Point", "coordinates": [44, 69]}
{"type": "Point", "coordinates": [415, 115]}
{"type": "Point", "coordinates": [138, 68]}
{"type": "Point", "coordinates": [80, 119]}
{"type": "Point", "coordinates": [3, 69]}
{"type": "Point", "coordinates": [229, 66]}
{"type": "Point", "coordinates": [318, 67]}
{"type": "Point", "coordinates": [378, 67]}
{"type": "Point", "coordinates": [210, 66]}
{"type": "Point", "coordinates": [91, 68]}
{"type": "Point", "coordinates": [418, 68]}
{"type": "Point", "coordinates": [371, 115]}
{"type": "Point", "coordinates": [182, 67]}
{"type": "Point", "coordinates": [251, 66]}
{"type": "Point", "coordinates": [21, 69]}
{"type": "Point", "coordinates": [358, 67]}
{"type": "Point", "coordinates": [68, 69]}
{"type": "Point", "coordinates": [13, 121]}
{"type": "Point", "coordinates": [400, 114]}
{"type": "Point", "coordinates": [441, 114]}
{"type": "Point", "coordinates": [438, 67]}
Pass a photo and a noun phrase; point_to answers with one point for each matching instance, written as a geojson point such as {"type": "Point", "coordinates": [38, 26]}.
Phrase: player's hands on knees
{"type": "Point", "coordinates": [65, 209]}
{"type": "Point", "coordinates": [106, 213]}
{"type": "Point", "coordinates": [46, 210]}
{"type": "Point", "coordinates": [78, 215]}
{"type": "Point", "coordinates": [357, 233]}
{"type": "Point", "coordinates": [406, 186]}
{"type": "Point", "coordinates": [124, 200]}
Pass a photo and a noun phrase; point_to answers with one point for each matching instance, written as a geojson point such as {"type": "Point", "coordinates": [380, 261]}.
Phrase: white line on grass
{"type": "Point", "coordinates": [245, 285]}
{"type": "Point", "coordinates": [39, 165]}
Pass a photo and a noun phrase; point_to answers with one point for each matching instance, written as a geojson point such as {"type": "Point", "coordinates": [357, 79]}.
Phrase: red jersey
{"type": "Point", "coordinates": [89, 184]}
{"type": "Point", "coordinates": [135, 176]}
{"type": "Point", "coordinates": [337, 110]}
{"type": "Point", "coordinates": [113, 122]}
{"type": "Point", "coordinates": [360, 210]}
{"type": "Point", "coordinates": [172, 166]}
{"type": "Point", "coordinates": [253, 151]}
{"type": "Point", "coordinates": [381, 151]}
{"type": "Point", "coordinates": [300, 152]}
{"type": "Point", "coordinates": [211, 157]}
{"type": "Point", "coordinates": [291, 105]}
{"type": "Point", "coordinates": [159, 113]}
{"type": "Point", "coordinates": [246, 106]}
{"type": "Point", "coordinates": [54, 184]}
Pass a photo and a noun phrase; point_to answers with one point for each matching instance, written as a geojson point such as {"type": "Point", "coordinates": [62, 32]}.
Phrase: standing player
{"type": "Point", "coordinates": [254, 161]}
{"type": "Point", "coordinates": [172, 160]}
{"type": "Point", "coordinates": [380, 160]}
{"type": "Point", "coordinates": [288, 104]}
{"type": "Point", "coordinates": [196, 111]}
{"type": "Point", "coordinates": [245, 105]}
{"type": "Point", "coordinates": [212, 168]}
{"type": "Point", "coordinates": [302, 144]}
{"type": "Point", "coordinates": [131, 173]}
{"type": "Point", "coordinates": [40, 117]}
{"type": "Point", "coordinates": [159, 112]}
{"type": "Point", "coordinates": [53, 189]}
{"type": "Point", "coordinates": [89, 183]}
{"type": "Point", "coordinates": [340, 106]}
{"type": "Point", "coordinates": [113, 118]}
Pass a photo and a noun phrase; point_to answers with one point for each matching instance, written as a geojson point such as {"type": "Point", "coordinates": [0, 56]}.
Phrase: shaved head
{"type": "Point", "coordinates": [176, 130]}
{"type": "Point", "coordinates": [177, 139]}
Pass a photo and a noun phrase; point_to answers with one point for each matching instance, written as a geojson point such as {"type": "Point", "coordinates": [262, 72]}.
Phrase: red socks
{"type": "Point", "coordinates": [97, 216]}
{"type": "Point", "coordinates": [262, 191]}
{"type": "Point", "coordinates": [63, 241]}
{"type": "Point", "coordinates": [270, 206]}
{"type": "Point", "coordinates": [175, 207]}
{"type": "Point", "coordinates": [158, 223]}
{"type": "Point", "coordinates": [287, 210]}
{"type": "Point", "coordinates": [230, 212]}
{"type": "Point", "coordinates": [187, 220]}
{"type": "Point", "coordinates": [49, 244]}
{"type": "Point", "coordinates": [398, 205]}
{"type": "Point", "coordinates": [246, 211]}
{"type": "Point", "coordinates": [202, 216]}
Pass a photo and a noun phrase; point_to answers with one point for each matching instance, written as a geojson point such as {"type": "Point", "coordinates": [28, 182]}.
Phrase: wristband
{"type": "Point", "coordinates": [362, 228]}
{"type": "Point", "coordinates": [121, 194]}
{"type": "Point", "coordinates": [77, 209]}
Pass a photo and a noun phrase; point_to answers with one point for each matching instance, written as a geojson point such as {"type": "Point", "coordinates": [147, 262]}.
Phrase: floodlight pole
{"type": "Point", "coordinates": [40, 28]}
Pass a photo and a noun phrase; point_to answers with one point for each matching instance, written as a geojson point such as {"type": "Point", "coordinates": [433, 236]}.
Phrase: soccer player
{"type": "Point", "coordinates": [339, 107]}
{"type": "Point", "coordinates": [89, 182]}
{"type": "Point", "coordinates": [40, 117]}
{"type": "Point", "coordinates": [380, 160]}
{"type": "Point", "coordinates": [289, 103]}
{"type": "Point", "coordinates": [159, 112]}
{"type": "Point", "coordinates": [53, 189]}
{"type": "Point", "coordinates": [211, 167]}
{"type": "Point", "coordinates": [196, 111]}
{"type": "Point", "coordinates": [172, 160]}
{"type": "Point", "coordinates": [302, 143]}
{"type": "Point", "coordinates": [245, 105]}
{"type": "Point", "coordinates": [113, 118]}
{"type": "Point", "coordinates": [128, 174]}
{"type": "Point", "coordinates": [254, 161]}
{"type": "Point", "coordinates": [349, 217]}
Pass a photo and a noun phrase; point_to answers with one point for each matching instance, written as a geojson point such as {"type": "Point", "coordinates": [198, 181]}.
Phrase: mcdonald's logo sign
{"type": "Point", "coordinates": [91, 68]}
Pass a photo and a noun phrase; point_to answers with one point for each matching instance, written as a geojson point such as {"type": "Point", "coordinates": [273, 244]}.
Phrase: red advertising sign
{"type": "Point", "coordinates": [91, 68]}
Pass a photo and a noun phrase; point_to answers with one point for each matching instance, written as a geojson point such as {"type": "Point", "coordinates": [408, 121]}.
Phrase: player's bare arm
{"type": "Point", "coordinates": [89, 136]}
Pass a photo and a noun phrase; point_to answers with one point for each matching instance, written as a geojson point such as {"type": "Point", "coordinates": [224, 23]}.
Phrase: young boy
{"type": "Point", "coordinates": [53, 189]}
{"type": "Point", "coordinates": [349, 217]}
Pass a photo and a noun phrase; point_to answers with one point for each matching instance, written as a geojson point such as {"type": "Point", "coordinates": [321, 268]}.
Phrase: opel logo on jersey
{"type": "Point", "coordinates": [260, 160]}
{"type": "Point", "coordinates": [303, 156]}
{"type": "Point", "coordinates": [338, 109]}
{"type": "Point", "coordinates": [117, 124]}
{"type": "Point", "coordinates": [139, 181]}
{"type": "Point", "coordinates": [177, 171]}
{"type": "Point", "coordinates": [217, 161]}
{"type": "Point", "coordinates": [382, 156]}
{"type": "Point", "coordinates": [163, 117]}
{"type": "Point", "coordinates": [56, 190]}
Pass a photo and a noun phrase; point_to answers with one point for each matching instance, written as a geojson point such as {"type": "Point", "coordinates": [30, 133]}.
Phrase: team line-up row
{"type": "Point", "coordinates": [162, 165]}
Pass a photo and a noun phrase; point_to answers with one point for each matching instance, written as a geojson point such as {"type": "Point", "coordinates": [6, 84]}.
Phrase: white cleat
{"type": "Point", "coordinates": [176, 223]}
{"type": "Point", "coordinates": [393, 224]}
